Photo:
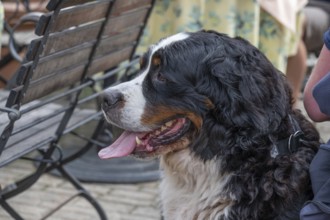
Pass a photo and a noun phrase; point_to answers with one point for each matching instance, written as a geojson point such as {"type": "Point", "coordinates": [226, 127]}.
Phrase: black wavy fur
{"type": "Point", "coordinates": [251, 107]}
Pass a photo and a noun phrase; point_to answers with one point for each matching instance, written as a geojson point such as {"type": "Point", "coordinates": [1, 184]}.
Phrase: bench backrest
{"type": "Point", "coordinates": [79, 41]}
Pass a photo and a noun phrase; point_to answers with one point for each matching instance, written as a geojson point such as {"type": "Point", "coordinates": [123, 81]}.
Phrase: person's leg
{"type": "Point", "coordinates": [317, 21]}
{"type": "Point", "coordinates": [296, 69]}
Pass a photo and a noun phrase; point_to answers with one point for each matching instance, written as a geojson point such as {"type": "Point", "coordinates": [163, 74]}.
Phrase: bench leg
{"type": "Point", "coordinates": [25, 183]}
{"type": "Point", "coordinates": [83, 191]}
{"type": "Point", "coordinates": [10, 210]}
{"type": "Point", "coordinates": [42, 168]}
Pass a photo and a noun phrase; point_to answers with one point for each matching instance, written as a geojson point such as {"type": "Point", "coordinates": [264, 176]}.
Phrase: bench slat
{"type": "Point", "coordinates": [71, 38]}
{"type": "Point", "coordinates": [64, 40]}
{"type": "Point", "coordinates": [62, 61]}
{"type": "Point", "coordinates": [53, 82]}
{"type": "Point", "coordinates": [126, 21]}
{"type": "Point", "coordinates": [72, 17]}
{"type": "Point", "coordinates": [65, 3]}
{"type": "Point", "coordinates": [29, 140]}
{"type": "Point", "coordinates": [120, 7]}
{"type": "Point", "coordinates": [109, 61]}
{"type": "Point", "coordinates": [117, 42]}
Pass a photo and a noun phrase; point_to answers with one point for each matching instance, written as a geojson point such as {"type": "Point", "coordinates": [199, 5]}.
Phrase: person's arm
{"type": "Point", "coordinates": [321, 68]}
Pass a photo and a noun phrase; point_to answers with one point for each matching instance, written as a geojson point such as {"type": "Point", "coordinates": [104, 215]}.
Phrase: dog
{"type": "Point", "coordinates": [220, 116]}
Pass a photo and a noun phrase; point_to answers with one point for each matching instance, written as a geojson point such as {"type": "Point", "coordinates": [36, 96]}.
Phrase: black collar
{"type": "Point", "coordinates": [290, 144]}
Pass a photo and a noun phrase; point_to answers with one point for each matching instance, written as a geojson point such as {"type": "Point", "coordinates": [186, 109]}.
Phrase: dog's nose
{"type": "Point", "coordinates": [110, 99]}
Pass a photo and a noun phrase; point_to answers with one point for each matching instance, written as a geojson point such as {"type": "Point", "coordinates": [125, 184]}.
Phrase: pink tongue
{"type": "Point", "coordinates": [122, 147]}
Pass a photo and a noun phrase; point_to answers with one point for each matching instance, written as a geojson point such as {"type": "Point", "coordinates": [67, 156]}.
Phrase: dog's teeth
{"type": "Point", "coordinates": [169, 124]}
{"type": "Point", "coordinates": [163, 128]}
{"type": "Point", "coordinates": [157, 132]}
{"type": "Point", "coordinates": [138, 141]}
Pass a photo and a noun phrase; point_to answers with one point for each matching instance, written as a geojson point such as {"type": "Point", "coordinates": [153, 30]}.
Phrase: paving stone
{"type": "Point", "coordinates": [324, 126]}
{"type": "Point", "coordinates": [51, 181]}
{"type": "Point", "coordinates": [98, 189]}
{"type": "Point", "coordinates": [136, 217]}
{"type": "Point", "coordinates": [73, 211]}
{"type": "Point", "coordinates": [129, 201]}
{"type": "Point", "coordinates": [4, 215]}
{"type": "Point", "coordinates": [138, 195]}
{"type": "Point", "coordinates": [27, 211]}
{"type": "Point", "coordinates": [151, 212]}
{"type": "Point", "coordinates": [73, 215]}
{"type": "Point", "coordinates": [39, 196]}
{"type": "Point", "coordinates": [110, 206]}
{"type": "Point", "coordinates": [128, 187]}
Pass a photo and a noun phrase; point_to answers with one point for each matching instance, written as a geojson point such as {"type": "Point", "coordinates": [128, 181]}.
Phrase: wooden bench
{"type": "Point", "coordinates": [83, 45]}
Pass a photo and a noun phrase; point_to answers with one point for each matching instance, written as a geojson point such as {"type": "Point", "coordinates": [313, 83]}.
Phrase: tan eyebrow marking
{"type": "Point", "coordinates": [156, 61]}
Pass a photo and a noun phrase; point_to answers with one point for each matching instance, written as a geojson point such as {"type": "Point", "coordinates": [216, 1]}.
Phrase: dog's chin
{"type": "Point", "coordinates": [174, 135]}
{"type": "Point", "coordinates": [161, 150]}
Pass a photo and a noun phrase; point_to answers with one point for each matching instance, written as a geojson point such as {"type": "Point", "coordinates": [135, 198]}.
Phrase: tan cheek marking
{"type": "Point", "coordinates": [197, 120]}
{"type": "Point", "coordinates": [159, 114]}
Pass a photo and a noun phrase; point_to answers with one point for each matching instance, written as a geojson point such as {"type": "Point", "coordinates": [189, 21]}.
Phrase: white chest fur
{"type": "Point", "coordinates": [192, 188]}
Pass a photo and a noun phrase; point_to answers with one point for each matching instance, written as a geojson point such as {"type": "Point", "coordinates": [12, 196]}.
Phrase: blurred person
{"type": "Point", "coordinates": [317, 21]}
{"type": "Point", "coordinates": [2, 14]}
{"type": "Point", "coordinates": [2, 79]}
{"type": "Point", "coordinates": [317, 105]}
{"type": "Point", "coordinates": [275, 27]}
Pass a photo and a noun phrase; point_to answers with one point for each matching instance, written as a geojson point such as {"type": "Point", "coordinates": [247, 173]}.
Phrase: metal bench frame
{"type": "Point", "coordinates": [40, 76]}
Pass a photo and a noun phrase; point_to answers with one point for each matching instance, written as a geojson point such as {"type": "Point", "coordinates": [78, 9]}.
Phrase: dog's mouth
{"type": "Point", "coordinates": [146, 143]}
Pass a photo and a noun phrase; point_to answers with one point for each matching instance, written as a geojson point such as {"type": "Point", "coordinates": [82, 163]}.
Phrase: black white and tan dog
{"type": "Point", "coordinates": [220, 117]}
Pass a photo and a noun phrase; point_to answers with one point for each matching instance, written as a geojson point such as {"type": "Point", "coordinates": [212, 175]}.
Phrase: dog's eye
{"type": "Point", "coordinates": [160, 77]}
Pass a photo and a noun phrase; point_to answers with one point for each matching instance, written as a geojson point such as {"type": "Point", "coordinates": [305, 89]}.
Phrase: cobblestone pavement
{"type": "Point", "coordinates": [121, 202]}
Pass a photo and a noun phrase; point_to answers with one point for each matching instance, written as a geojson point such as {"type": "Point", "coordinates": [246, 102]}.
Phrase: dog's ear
{"type": "Point", "coordinates": [251, 92]}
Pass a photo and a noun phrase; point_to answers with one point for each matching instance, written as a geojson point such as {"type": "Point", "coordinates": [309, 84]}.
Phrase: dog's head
{"type": "Point", "coordinates": [201, 90]}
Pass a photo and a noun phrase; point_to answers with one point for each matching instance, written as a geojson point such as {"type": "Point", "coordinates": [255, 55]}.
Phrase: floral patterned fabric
{"type": "Point", "coordinates": [1, 20]}
{"type": "Point", "coordinates": [243, 18]}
